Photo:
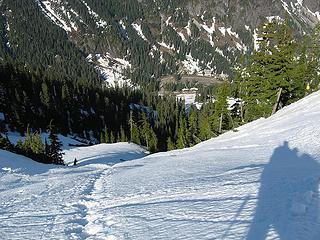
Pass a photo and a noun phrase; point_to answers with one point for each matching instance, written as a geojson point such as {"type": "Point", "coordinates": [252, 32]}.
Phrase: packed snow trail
{"type": "Point", "coordinates": [260, 182]}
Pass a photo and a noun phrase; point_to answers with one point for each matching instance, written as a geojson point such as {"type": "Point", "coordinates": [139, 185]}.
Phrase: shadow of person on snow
{"type": "Point", "coordinates": [288, 200]}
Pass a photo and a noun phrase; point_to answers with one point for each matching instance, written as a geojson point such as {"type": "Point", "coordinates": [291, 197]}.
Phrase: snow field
{"type": "Point", "coordinates": [259, 182]}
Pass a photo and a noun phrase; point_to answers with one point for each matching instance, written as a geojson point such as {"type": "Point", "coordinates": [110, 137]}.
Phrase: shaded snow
{"type": "Point", "coordinates": [2, 118]}
{"type": "Point", "coordinates": [103, 153]}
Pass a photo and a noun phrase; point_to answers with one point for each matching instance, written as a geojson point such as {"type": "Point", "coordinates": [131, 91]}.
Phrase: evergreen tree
{"type": "Point", "coordinates": [273, 75]}
{"type": "Point", "coordinates": [182, 130]}
{"type": "Point", "coordinates": [102, 137]}
{"type": "Point", "coordinates": [106, 136]}
{"type": "Point", "coordinates": [123, 137]}
{"type": "Point", "coordinates": [54, 150]}
{"type": "Point", "coordinates": [312, 73]}
{"type": "Point", "coordinates": [205, 132]}
{"type": "Point", "coordinates": [170, 144]}
{"type": "Point", "coordinates": [148, 135]}
{"type": "Point", "coordinates": [44, 94]}
{"type": "Point", "coordinates": [135, 135]}
{"type": "Point", "coordinates": [25, 145]}
{"type": "Point", "coordinates": [220, 118]}
{"type": "Point", "coordinates": [36, 144]}
{"type": "Point", "coordinates": [112, 138]}
{"type": "Point", "coordinates": [193, 129]}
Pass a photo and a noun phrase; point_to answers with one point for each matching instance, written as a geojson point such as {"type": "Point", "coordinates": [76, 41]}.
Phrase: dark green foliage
{"type": "Point", "coordinates": [148, 136]}
{"type": "Point", "coordinates": [41, 45]}
{"type": "Point", "coordinates": [135, 134]}
{"type": "Point", "coordinates": [170, 144]}
{"type": "Point", "coordinates": [44, 75]}
{"type": "Point", "coordinates": [311, 61]}
{"type": "Point", "coordinates": [278, 66]}
{"type": "Point", "coordinates": [123, 137]}
{"type": "Point", "coordinates": [31, 99]}
{"type": "Point", "coordinates": [32, 147]}
{"type": "Point", "coordinates": [54, 150]}
{"type": "Point", "coordinates": [92, 110]}
{"type": "Point", "coordinates": [220, 118]}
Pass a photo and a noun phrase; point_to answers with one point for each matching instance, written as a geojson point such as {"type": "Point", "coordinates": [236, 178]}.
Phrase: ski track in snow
{"type": "Point", "coordinates": [261, 182]}
{"type": "Point", "coordinates": [48, 205]}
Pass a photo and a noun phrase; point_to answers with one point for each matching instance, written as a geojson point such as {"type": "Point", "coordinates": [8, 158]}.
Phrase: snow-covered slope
{"type": "Point", "coordinates": [259, 182]}
{"type": "Point", "coordinates": [262, 180]}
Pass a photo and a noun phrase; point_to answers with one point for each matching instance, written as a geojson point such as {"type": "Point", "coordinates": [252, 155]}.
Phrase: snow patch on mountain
{"type": "Point", "coordinates": [65, 17]}
{"type": "Point", "coordinates": [222, 30]}
{"type": "Point", "coordinates": [300, 9]}
{"type": "Point", "coordinates": [111, 69]}
{"type": "Point", "coordinates": [165, 45]}
{"type": "Point", "coordinates": [7, 30]}
{"type": "Point", "coordinates": [99, 21]}
{"type": "Point", "coordinates": [137, 27]}
{"type": "Point", "coordinates": [256, 39]}
{"type": "Point", "coordinates": [188, 28]}
{"type": "Point", "coordinates": [191, 65]}
{"type": "Point", "coordinates": [56, 17]}
{"type": "Point", "coordinates": [210, 29]}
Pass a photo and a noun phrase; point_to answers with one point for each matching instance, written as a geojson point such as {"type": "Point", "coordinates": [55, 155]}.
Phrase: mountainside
{"type": "Point", "coordinates": [140, 41]}
{"type": "Point", "coordinates": [261, 181]}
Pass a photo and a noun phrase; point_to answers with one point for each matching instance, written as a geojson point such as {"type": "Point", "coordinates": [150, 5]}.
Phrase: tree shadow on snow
{"type": "Point", "coordinates": [288, 200]}
{"type": "Point", "coordinates": [110, 158]}
{"type": "Point", "coordinates": [14, 163]}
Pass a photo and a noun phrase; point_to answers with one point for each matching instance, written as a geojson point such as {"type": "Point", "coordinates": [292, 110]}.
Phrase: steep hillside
{"type": "Point", "coordinates": [259, 182]}
{"type": "Point", "coordinates": [141, 41]}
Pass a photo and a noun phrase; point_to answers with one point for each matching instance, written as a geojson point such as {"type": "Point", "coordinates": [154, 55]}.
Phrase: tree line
{"type": "Point", "coordinates": [33, 147]}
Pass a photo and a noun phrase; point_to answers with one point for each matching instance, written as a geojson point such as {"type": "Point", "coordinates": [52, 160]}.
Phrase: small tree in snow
{"type": "Point", "coordinates": [54, 151]}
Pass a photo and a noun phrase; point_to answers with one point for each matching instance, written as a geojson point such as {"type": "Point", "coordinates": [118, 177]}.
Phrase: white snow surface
{"type": "Point", "coordinates": [56, 18]}
{"type": "Point", "coordinates": [138, 28]}
{"type": "Point", "coordinates": [191, 65]}
{"type": "Point", "coordinates": [259, 182]}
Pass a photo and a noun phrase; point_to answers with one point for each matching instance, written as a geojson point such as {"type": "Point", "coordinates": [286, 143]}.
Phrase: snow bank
{"type": "Point", "coordinates": [13, 163]}
{"type": "Point", "coordinates": [104, 153]}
